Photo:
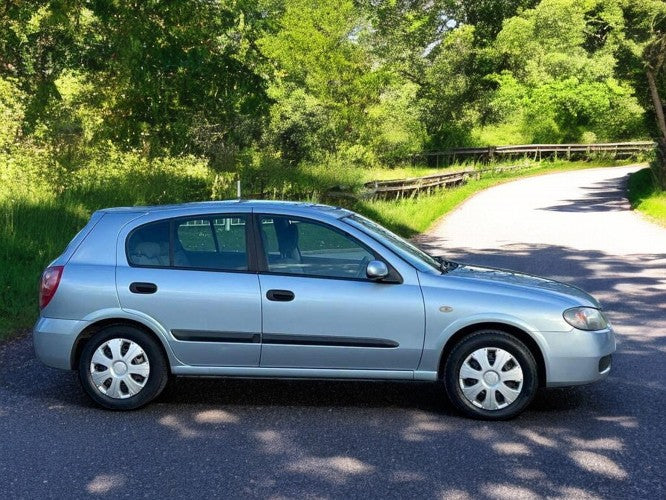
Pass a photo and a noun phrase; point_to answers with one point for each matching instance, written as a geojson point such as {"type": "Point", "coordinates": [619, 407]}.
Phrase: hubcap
{"type": "Point", "coordinates": [119, 368]}
{"type": "Point", "coordinates": [491, 378]}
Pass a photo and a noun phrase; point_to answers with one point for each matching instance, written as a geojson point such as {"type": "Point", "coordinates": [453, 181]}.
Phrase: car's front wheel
{"type": "Point", "coordinates": [491, 375]}
{"type": "Point", "coordinates": [122, 368]}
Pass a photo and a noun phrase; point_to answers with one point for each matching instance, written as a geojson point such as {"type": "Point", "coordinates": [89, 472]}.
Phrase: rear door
{"type": "Point", "coordinates": [192, 275]}
{"type": "Point", "coordinates": [320, 310]}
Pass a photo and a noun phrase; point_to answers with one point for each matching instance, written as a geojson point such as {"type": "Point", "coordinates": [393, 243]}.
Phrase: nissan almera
{"type": "Point", "coordinates": [278, 289]}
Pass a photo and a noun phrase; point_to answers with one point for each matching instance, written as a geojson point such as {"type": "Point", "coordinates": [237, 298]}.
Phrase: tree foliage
{"type": "Point", "coordinates": [291, 83]}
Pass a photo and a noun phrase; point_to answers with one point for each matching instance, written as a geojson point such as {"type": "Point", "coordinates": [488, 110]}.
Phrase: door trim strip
{"type": "Point", "coordinates": [216, 336]}
{"type": "Point", "coordinates": [326, 340]}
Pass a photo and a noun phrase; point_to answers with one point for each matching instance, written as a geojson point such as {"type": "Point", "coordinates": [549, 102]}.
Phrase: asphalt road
{"type": "Point", "coordinates": [304, 439]}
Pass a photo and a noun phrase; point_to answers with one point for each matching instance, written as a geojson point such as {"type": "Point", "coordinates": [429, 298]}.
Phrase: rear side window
{"type": "Point", "coordinates": [212, 243]}
{"type": "Point", "coordinates": [196, 235]}
{"type": "Point", "coordinates": [215, 243]}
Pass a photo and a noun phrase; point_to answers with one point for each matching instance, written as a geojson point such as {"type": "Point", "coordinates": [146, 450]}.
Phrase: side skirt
{"type": "Point", "coordinates": [314, 373]}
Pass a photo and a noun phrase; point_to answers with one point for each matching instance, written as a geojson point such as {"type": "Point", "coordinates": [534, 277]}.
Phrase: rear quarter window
{"type": "Point", "coordinates": [149, 245]}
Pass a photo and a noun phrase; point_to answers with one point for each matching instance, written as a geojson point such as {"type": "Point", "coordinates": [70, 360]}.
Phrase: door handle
{"type": "Point", "coordinates": [280, 295]}
{"type": "Point", "coordinates": [139, 287]}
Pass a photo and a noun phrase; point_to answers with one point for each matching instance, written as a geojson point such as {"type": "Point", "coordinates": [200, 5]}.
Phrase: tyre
{"type": "Point", "coordinates": [490, 375]}
{"type": "Point", "coordinates": [122, 368]}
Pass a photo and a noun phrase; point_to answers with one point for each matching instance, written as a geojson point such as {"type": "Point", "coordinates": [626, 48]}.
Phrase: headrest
{"type": "Point", "coordinates": [148, 249]}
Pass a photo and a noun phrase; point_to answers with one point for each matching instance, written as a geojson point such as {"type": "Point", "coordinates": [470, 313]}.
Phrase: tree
{"type": "Point", "coordinates": [177, 76]}
{"type": "Point", "coordinates": [322, 77]}
{"type": "Point", "coordinates": [37, 40]}
{"type": "Point", "coordinates": [560, 62]}
{"type": "Point", "coordinates": [646, 60]}
{"type": "Point", "coordinates": [487, 16]}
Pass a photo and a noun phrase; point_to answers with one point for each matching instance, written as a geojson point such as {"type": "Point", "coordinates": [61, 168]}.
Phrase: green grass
{"type": "Point", "coordinates": [40, 212]}
{"type": "Point", "coordinates": [645, 196]}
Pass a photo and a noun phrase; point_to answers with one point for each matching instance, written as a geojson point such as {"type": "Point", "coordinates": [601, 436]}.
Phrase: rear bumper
{"type": "Point", "coordinates": [578, 357]}
{"type": "Point", "coordinates": [54, 341]}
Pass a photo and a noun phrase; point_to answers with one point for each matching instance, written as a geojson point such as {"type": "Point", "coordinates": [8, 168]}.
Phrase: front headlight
{"type": "Point", "coordinates": [585, 318]}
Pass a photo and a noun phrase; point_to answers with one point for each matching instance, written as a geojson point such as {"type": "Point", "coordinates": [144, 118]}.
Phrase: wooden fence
{"type": "Point", "coordinates": [399, 188]}
{"type": "Point", "coordinates": [535, 151]}
{"type": "Point", "coordinates": [412, 186]}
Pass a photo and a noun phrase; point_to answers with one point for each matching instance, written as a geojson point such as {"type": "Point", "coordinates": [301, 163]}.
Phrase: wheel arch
{"type": "Point", "coordinates": [512, 330]}
{"type": "Point", "coordinates": [89, 331]}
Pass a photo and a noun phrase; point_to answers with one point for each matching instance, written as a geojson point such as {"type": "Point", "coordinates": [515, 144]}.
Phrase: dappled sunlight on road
{"type": "Point", "coordinates": [423, 425]}
{"type": "Point", "coordinates": [336, 469]}
{"type": "Point", "coordinates": [536, 438]}
{"type": "Point", "coordinates": [215, 417]}
{"type": "Point", "coordinates": [105, 483]}
{"type": "Point", "coordinates": [628, 422]}
{"type": "Point", "coordinates": [519, 456]}
{"type": "Point", "coordinates": [176, 424]}
{"type": "Point", "coordinates": [506, 448]}
{"type": "Point", "coordinates": [273, 442]}
{"type": "Point", "coordinates": [506, 491]}
{"type": "Point", "coordinates": [595, 462]}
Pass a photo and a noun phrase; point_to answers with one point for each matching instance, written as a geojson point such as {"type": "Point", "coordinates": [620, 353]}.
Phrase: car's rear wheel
{"type": "Point", "coordinates": [491, 375]}
{"type": "Point", "coordinates": [122, 368]}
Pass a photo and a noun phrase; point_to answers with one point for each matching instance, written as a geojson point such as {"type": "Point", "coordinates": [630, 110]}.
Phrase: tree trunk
{"type": "Point", "coordinates": [661, 123]}
{"type": "Point", "coordinates": [656, 101]}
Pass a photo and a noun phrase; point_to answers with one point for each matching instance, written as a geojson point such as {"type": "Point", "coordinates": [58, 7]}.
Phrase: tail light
{"type": "Point", "coordinates": [49, 285]}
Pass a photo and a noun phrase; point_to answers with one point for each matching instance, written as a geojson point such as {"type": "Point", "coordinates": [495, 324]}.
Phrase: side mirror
{"type": "Point", "coordinates": [376, 270]}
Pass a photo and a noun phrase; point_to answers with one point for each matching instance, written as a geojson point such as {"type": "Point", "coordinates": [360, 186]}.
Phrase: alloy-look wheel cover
{"type": "Point", "coordinates": [491, 378]}
{"type": "Point", "coordinates": [119, 368]}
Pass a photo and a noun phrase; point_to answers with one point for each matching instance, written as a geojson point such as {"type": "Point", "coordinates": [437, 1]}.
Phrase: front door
{"type": "Point", "coordinates": [320, 311]}
{"type": "Point", "coordinates": [192, 276]}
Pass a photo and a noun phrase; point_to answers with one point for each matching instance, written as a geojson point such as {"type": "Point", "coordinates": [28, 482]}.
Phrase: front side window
{"type": "Point", "coordinates": [295, 246]}
{"type": "Point", "coordinates": [216, 243]}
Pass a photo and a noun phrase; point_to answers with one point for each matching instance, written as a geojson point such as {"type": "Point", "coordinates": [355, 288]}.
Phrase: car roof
{"type": "Point", "coordinates": [258, 205]}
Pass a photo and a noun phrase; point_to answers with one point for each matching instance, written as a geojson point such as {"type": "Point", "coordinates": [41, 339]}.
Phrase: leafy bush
{"type": "Point", "coordinates": [11, 112]}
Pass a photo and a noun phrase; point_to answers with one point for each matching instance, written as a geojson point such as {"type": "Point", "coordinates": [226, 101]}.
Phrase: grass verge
{"type": "Point", "coordinates": [644, 195]}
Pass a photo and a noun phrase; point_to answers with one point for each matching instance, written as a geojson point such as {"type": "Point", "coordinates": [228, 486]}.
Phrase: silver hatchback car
{"type": "Point", "coordinates": [277, 289]}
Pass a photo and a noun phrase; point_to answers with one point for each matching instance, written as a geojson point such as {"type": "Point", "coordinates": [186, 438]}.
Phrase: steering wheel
{"type": "Point", "coordinates": [363, 267]}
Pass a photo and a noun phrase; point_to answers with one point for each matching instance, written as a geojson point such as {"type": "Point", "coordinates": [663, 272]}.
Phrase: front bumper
{"type": "Point", "coordinates": [54, 341]}
{"type": "Point", "coordinates": [578, 357]}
